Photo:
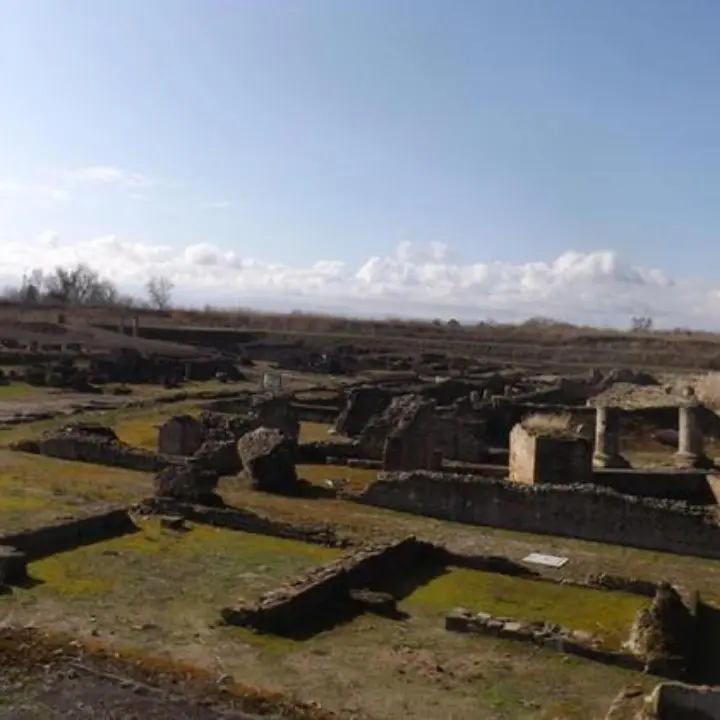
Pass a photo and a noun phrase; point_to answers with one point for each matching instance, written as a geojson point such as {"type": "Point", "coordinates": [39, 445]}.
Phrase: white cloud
{"type": "Point", "coordinates": [595, 287]}
{"type": "Point", "coordinates": [219, 205]}
{"type": "Point", "coordinates": [61, 186]}
{"type": "Point", "coordinates": [18, 190]}
{"type": "Point", "coordinates": [108, 175]}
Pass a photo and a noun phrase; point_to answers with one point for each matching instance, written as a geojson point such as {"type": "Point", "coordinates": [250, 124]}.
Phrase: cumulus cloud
{"type": "Point", "coordinates": [415, 280]}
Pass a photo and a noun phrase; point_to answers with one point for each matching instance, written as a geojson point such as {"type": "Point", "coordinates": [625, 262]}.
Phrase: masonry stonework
{"type": "Point", "coordinates": [536, 459]}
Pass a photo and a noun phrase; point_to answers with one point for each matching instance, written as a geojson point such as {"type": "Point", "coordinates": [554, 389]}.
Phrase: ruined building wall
{"type": "Point", "coordinates": [586, 512]}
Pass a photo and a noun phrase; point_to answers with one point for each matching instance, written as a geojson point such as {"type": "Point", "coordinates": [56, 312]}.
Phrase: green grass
{"type": "Point", "coordinates": [20, 390]}
{"type": "Point", "coordinates": [606, 615]}
{"type": "Point", "coordinates": [175, 581]}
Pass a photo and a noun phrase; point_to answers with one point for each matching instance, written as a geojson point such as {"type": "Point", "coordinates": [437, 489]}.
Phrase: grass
{"type": "Point", "coordinates": [160, 592]}
{"type": "Point", "coordinates": [358, 478]}
{"type": "Point", "coordinates": [20, 390]}
{"type": "Point", "coordinates": [606, 615]}
{"type": "Point", "coordinates": [317, 432]}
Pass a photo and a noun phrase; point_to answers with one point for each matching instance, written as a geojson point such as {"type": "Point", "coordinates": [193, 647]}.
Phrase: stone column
{"type": "Point", "coordinates": [607, 439]}
{"type": "Point", "coordinates": [690, 453]}
{"type": "Point", "coordinates": [135, 325]}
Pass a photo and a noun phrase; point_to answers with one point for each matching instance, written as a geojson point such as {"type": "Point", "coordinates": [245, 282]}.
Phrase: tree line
{"type": "Point", "coordinates": [82, 285]}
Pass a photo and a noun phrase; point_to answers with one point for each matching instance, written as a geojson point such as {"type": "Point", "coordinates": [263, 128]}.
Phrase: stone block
{"type": "Point", "coordinates": [537, 459]}
{"type": "Point", "coordinates": [180, 435]}
{"type": "Point", "coordinates": [269, 460]}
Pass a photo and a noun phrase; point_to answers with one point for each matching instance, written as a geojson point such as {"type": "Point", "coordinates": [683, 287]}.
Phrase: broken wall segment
{"type": "Point", "coordinates": [361, 405]}
{"type": "Point", "coordinates": [663, 636]}
{"type": "Point", "coordinates": [409, 444]}
{"type": "Point", "coordinates": [327, 589]}
{"type": "Point", "coordinates": [180, 435]}
{"type": "Point", "coordinates": [95, 444]}
{"type": "Point", "coordinates": [68, 534]}
{"type": "Point", "coordinates": [548, 635]}
{"type": "Point", "coordinates": [587, 512]}
{"type": "Point", "coordinates": [189, 482]}
{"type": "Point", "coordinates": [269, 460]}
{"type": "Point", "coordinates": [545, 459]}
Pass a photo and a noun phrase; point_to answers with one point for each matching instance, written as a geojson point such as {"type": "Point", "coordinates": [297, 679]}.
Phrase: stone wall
{"type": "Point", "coordinates": [587, 512]}
{"type": "Point", "coordinates": [325, 589]}
{"type": "Point", "coordinates": [68, 534]}
{"type": "Point", "coordinates": [245, 520]}
{"type": "Point", "coordinates": [180, 435]}
{"type": "Point", "coordinates": [361, 405]}
{"type": "Point", "coordinates": [97, 445]}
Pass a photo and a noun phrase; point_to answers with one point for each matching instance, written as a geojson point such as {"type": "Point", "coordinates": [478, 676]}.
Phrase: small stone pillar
{"type": "Point", "coordinates": [188, 371]}
{"type": "Point", "coordinates": [121, 325]}
{"type": "Point", "coordinates": [607, 439]}
{"type": "Point", "coordinates": [135, 325]}
{"type": "Point", "coordinates": [474, 397]}
{"type": "Point", "coordinates": [690, 452]}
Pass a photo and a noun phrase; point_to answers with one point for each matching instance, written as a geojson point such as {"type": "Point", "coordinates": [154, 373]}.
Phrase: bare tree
{"type": "Point", "coordinates": [159, 290]}
{"type": "Point", "coordinates": [641, 324]}
{"type": "Point", "coordinates": [80, 285]}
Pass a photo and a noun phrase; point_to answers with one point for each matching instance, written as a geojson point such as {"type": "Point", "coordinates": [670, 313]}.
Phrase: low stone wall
{"type": "Point", "coordinates": [68, 534]}
{"type": "Point", "coordinates": [246, 521]}
{"type": "Point", "coordinates": [587, 512]}
{"type": "Point", "coordinates": [552, 637]}
{"type": "Point", "coordinates": [324, 590]}
{"type": "Point", "coordinates": [96, 450]}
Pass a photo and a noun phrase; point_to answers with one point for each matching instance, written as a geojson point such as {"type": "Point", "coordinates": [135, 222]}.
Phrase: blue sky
{"type": "Point", "coordinates": [511, 146]}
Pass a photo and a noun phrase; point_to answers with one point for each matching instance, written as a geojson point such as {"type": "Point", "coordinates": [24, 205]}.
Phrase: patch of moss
{"type": "Point", "coordinates": [606, 614]}
{"type": "Point", "coordinates": [173, 579]}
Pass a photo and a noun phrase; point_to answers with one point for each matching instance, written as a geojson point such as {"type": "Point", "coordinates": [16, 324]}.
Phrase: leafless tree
{"type": "Point", "coordinates": [159, 290]}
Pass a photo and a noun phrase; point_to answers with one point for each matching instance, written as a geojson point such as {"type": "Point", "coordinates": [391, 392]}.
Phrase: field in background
{"type": "Point", "coordinates": [535, 343]}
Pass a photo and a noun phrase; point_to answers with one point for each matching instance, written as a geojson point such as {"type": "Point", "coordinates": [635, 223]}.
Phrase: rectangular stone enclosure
{"type": "Point", "coordinates": [536, 458]}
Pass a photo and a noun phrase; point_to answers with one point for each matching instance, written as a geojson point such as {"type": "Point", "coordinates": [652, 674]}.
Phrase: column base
{"type": "Point", "coordinates": [610, 462]}
{"type": "Point", "coordinates": [692, 461]}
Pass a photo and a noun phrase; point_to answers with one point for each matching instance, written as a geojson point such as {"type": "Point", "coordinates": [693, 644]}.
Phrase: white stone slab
{"type": "Point", "coordinates": [553, 561]}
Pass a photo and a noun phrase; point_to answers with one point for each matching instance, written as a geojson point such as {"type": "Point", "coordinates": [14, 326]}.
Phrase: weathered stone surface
{"type": "Point", "coordinates": [221, 456]}
{"type": "Point", "coordinates": [361, 404]}
{"type": "Point", "coordinates": [189, 483]}
{"type": "Point", "coordinates": [538, 459]}
{"type": "Point", "coordinates": [326, 589]}
{"type": "Point", "coordinates": [663, 635]}
{"type": "Point", "coordinates": [94, 444]}
{"type": "Point", "coordinates": [180, 435]}
{"type": "Point", "coordinates": [589, 512]}
{"type": "Point", "coordinates": [269, 460]}
{"type": "Point", "coordinates": [275, 412]}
